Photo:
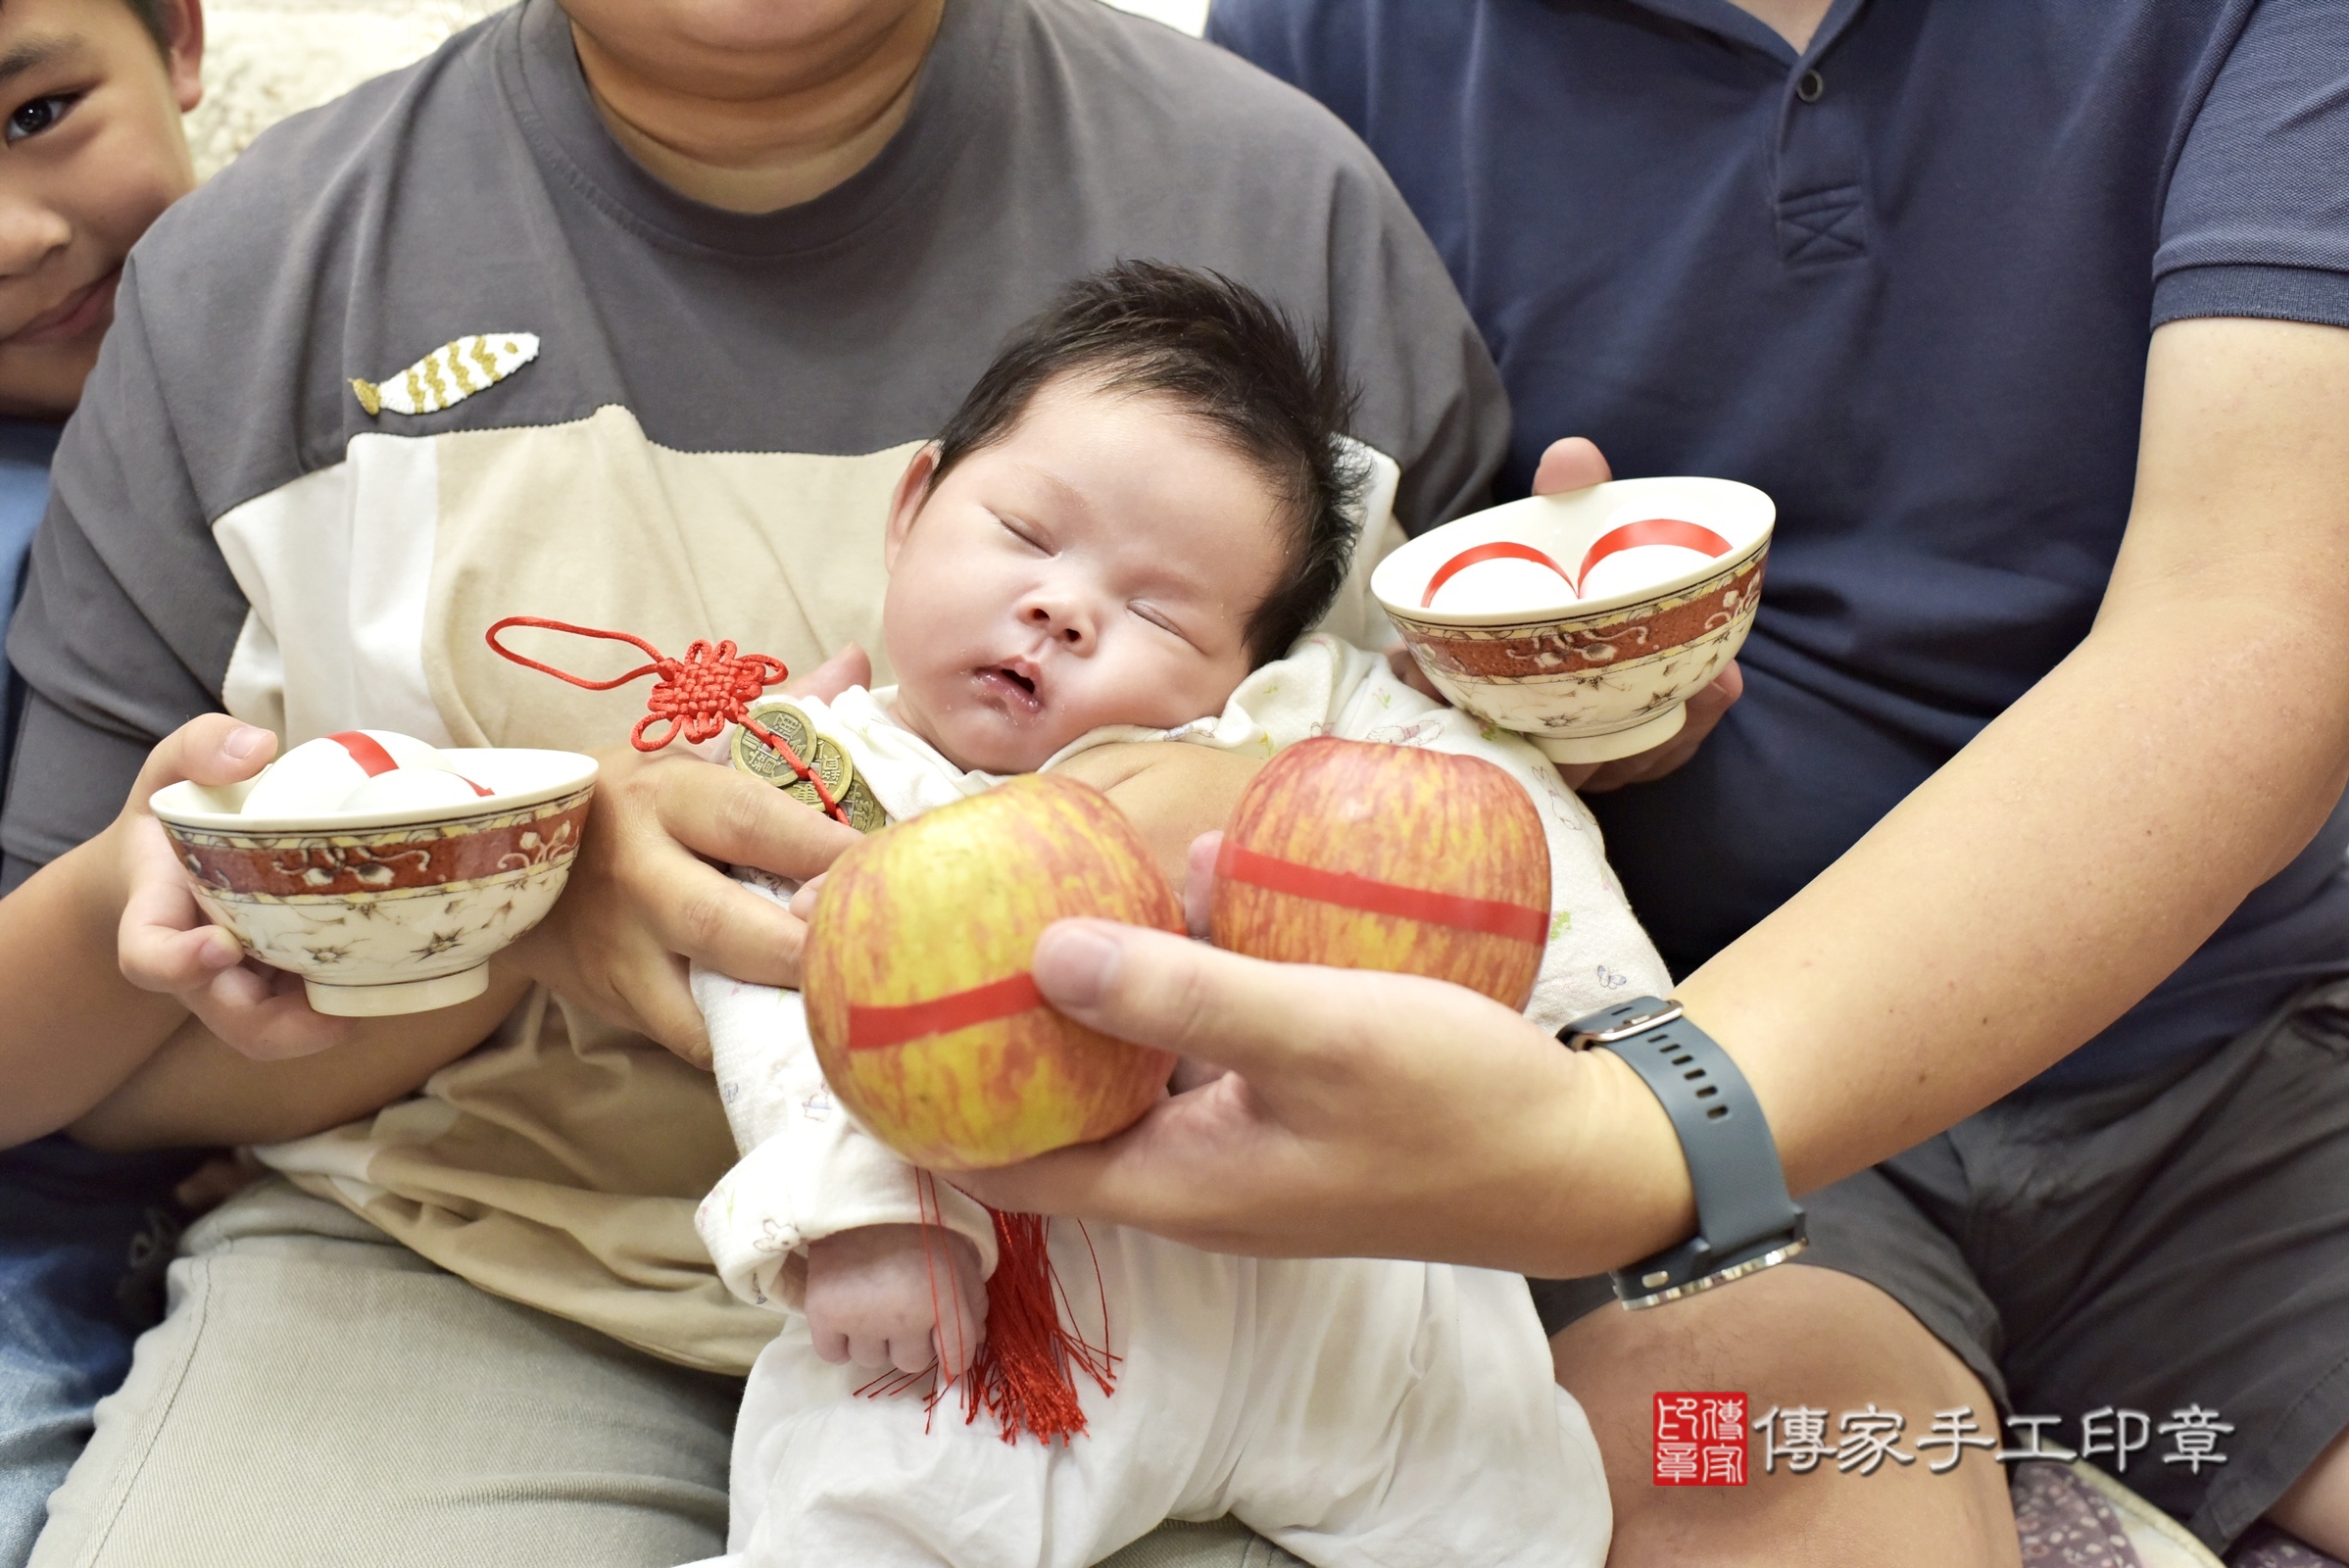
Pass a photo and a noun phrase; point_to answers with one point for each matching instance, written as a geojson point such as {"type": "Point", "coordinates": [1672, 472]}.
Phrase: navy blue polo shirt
{"type": "Point", "coordinates": [1903, 281]}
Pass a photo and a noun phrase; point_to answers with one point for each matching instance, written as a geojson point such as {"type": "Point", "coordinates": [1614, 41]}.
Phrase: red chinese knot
{"type": "Point", "coordinates": [697, 696]}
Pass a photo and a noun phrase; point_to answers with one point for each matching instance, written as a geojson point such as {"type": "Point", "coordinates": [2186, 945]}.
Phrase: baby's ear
{"type": "Point", "coordinates": [913, 488]}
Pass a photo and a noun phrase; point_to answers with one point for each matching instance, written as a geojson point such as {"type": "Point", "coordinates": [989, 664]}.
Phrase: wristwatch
{"type": "Point", "coordinates": [1745, 1221]}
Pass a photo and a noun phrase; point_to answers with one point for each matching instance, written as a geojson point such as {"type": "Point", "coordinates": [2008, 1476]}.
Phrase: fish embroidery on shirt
{"type": "Point", "coordinates": [450, 374]}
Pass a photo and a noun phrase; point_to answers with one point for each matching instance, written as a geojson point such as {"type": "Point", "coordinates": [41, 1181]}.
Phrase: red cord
{"type": "Point", "coordinates": [1026, 1372]}
{"type": "Point", "coordinates": [698, 695]}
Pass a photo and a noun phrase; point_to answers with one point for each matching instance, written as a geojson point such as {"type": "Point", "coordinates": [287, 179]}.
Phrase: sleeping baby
{"type": "Point", "coordinates": [1125, 533]}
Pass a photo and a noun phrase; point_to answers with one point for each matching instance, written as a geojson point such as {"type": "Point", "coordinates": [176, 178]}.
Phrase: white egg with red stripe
{"type": "Point", "coordinates": [412, 789]}
{"type": "Point", "coordinates": [358, 769]}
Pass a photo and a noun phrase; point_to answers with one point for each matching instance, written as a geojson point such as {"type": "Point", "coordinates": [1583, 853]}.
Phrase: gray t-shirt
{"type": "Point", "coordinates": [702, 445]}
{"type": "Point", "coordinates": [479, 192]}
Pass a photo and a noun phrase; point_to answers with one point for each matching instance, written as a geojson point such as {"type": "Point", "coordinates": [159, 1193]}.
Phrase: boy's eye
{"type": "Point", "coordinates": [33, 117]}
{"type": "Point", "coordinates": [1021, 534]}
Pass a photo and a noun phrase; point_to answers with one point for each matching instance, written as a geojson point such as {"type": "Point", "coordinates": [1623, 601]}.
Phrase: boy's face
{"type": "Point", "coordinates": [90, 151]}
{"type": "Point", "coordinates": [1096, 566]}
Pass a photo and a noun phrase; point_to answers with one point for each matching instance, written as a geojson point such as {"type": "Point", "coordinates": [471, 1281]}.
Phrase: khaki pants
{"type": "Point", "coordinates": [317, 1394]}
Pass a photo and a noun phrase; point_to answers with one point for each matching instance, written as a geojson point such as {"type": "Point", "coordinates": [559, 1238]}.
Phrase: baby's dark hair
{"type": "Point", "coordinates": [1227, 356]}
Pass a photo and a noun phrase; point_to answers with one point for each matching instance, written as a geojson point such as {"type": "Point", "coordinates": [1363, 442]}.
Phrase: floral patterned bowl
{"type": "Point", "coordinates": [1674, 572]}
{"type": "Point", "coordinates": [388, 911]}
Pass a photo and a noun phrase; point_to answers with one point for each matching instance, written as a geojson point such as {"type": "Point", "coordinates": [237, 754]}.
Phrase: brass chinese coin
{"type": "Point", "coordinates": [864, 813]}
{"type": "Point", "coordinates": [823, 756]}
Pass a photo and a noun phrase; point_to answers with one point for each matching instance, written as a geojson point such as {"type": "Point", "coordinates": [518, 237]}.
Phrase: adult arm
{"type": "Point", "coordinates": [198, 1091]}
{"type": "Point", "coordinates": [2098, 831]}
{"type": "Point", "coordinates": [2029, 892]}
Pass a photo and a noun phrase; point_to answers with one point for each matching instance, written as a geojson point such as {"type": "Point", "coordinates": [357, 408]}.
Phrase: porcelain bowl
{"type": "Point", "coordinates": [1586, 679]}
{"type": "Point", "coordinates": [388, 911]}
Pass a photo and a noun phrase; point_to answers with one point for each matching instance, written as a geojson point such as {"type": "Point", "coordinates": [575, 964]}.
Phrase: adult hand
{"type": "Point", "coordinates": [1364, 1114]}
{"type": "Point", "coordinates": [1704, 711]}
{"type": "Point", "coordinates": [1574, 464]}
{"type": "Point", "coordinates": [164, 943]}
{"type": "Point", "coordinates": [1577, 464]}
{"type": "Point", "coordinates": [645, 898]}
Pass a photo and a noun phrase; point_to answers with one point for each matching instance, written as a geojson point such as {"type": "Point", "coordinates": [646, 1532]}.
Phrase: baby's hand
{"type": "Point", "coordinates": [877, 1297]}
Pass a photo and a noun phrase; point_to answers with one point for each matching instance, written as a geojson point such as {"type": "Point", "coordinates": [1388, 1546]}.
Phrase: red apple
{"type": "Point", "coordinates": [916, 978]}
{"type": "Point", "coordinates": [1368, 856]}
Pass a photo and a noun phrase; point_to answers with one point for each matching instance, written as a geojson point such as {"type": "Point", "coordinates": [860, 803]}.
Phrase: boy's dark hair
{"type": "Point", "coordinates": [152, 17]}
{"type": "Point", "coordinates": [1231, 359]}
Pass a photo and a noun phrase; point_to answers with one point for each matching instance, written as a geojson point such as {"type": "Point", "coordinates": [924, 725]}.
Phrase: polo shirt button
{"type": "Point", "coordinates": [1811, 87]}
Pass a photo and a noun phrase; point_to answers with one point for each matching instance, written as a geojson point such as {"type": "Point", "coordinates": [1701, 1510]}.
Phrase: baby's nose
{"type": "Point", "coordinates": [1063, 621]}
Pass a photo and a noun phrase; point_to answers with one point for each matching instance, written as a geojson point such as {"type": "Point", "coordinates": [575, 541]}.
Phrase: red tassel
{"type": "Point", "coordinates": [1025, 1375]}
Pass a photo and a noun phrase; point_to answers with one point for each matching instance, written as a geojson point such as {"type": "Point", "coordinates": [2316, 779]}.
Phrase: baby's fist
{"type": "Point", "coordinates": [897, 1296]}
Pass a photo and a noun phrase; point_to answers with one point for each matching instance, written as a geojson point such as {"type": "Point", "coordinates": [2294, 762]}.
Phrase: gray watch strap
{"type": "Point", "coordinates": [1745, 1220]}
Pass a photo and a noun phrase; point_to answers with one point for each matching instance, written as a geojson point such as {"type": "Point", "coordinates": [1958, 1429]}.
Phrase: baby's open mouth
{"type": "Point", "coordinates": [1013, 687]}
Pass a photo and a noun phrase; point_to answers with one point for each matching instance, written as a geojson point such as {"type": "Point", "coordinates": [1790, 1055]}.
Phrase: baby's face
{"type": "Point", "coordinates": [1096, 566]}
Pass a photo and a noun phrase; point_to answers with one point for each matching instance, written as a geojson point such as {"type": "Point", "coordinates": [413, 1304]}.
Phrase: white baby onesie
{"type": "Point", "coordinates": [1354, 1412]}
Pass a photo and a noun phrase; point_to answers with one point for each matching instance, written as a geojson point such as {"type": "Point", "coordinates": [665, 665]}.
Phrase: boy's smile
{"type": "Point", "coordinates": [91, 151]}
{"type": "Point", "coordinates": [87, 307]}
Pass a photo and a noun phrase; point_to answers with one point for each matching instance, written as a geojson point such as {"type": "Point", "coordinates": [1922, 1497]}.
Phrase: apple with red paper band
{"type": "Point", "coordinates": [1369, 856]}
{"type": "Point", "coordinates": [916, 979]}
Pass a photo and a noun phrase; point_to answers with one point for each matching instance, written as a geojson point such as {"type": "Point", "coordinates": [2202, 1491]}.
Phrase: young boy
{"type": "Point", "coordinates": [91, 151]}
{"type": "Point", "coordinates": [1122, 534]}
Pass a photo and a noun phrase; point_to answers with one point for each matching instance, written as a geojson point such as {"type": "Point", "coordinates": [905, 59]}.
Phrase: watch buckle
{"type": "Point", "coordinates": [1650, 1296]}
{"type": "Point", "coordinates": [1586, 1039]}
